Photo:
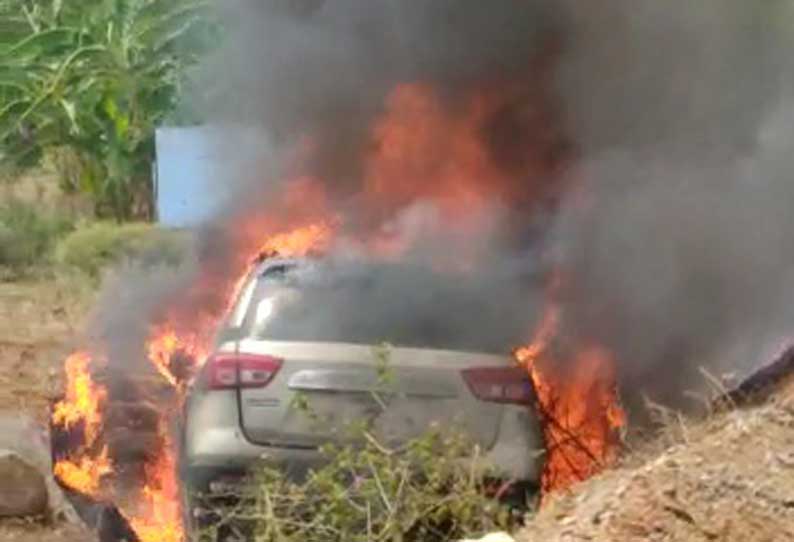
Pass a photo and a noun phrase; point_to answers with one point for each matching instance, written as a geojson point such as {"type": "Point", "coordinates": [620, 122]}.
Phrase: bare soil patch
{"type": "Point", "coordinates": [38, 322]}
{"type": "Point", "coordinates": [730, 478]}
{"type": "Point", "coordinates": [31, 531]}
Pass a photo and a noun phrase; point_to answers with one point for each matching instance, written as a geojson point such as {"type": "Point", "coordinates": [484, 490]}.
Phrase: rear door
{"type": "Point", "coordinates": [323, 388]}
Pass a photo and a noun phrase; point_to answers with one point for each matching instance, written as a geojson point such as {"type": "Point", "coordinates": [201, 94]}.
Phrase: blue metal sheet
{"type": "Point", "coordinates": [187, 165]}
{"type": "Point", "coordinates": [197, 167]}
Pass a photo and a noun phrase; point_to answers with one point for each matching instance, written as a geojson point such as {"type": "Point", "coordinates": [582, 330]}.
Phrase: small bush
{"type": "Point", "coordinates": [27, 237]}
{"type": "Point", "coordinates": [433, 489]}
{"type": "Point", "coordinates": [93, 248]}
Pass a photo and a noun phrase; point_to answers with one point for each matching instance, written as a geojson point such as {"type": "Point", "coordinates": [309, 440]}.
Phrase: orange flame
{"type": "Point", "coordinates": [157, 517]}
{"type": "Point", "coordinates": [299, 241]}
{"type": "Point", "coordinates": [160, 350]}
{"type": "Point", "coordinates": [165, 344]}
{"type": "Point", "coordinates": [166, 341]}
{"type": "Point", "coordinates": [420, 150]}
{"type": "Point", "coordinates": [82, 406]}
{"type": "Point", "coordinates": [293, 243]}
{"type": "Point", "coordinates": [579, 406]}
{"type": "Point", "coordinates": [83, 398]}
{"type": "Point", "coordinates": [85, 473]}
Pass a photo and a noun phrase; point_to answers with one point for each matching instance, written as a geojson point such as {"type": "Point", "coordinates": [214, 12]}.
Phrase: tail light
{"type": "Point", "coordinates": [509, 385]}
{"type": "Point", "coordinates": [234, 371]}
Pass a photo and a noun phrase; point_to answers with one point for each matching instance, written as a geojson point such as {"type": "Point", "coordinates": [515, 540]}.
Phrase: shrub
{"type": "Point", "coordinates": [430, 490]}
{"type": "Point", "coordinates": [94, 247]}
{"type": "Point", "coordinates": [434, 488]}
{"type": "Point", "coordinates": [95, 78]}
{"type": "Point", "coordinates": [27, 237]}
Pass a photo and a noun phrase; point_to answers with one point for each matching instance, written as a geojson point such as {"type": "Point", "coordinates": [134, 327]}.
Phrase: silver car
{"type": "Point", "coordinates": [287, 339]}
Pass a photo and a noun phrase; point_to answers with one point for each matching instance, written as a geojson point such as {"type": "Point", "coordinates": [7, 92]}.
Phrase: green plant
{"type": "Point", "coordinates": [433, 488]}
{"type": "Point", "coordinates": [90, 81]}
{"type": "Point", "coordinates": [93, 248]}
{"type": "Point", "coordinates": [27, 237]}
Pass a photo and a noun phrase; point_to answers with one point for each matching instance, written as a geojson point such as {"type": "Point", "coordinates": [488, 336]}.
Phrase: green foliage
{"type": "Point", "coordinates": [95, 247]}
{"type": "Point", "coordinates": [93, 79]}
{"type": "Point", "coordinates": [27, 238]}
{"type": "Point", "coordinates": [432, 489]}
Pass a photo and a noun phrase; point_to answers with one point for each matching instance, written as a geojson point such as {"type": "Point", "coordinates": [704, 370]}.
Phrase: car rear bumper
{"type": "Point", "coordinates": [227, 450]}
{"type": "Point", "coordinates": [518, 450]}
{"type": "Point", "coordinates": [515, 453]}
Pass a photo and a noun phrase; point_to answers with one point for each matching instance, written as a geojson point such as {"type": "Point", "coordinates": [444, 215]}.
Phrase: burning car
{"type": "Point", "coordinates": [298, 333]}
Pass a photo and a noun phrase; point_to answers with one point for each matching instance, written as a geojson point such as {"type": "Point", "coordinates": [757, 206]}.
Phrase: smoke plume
{"type": "Point", "coordinates": [642, 145]}
{"type": "Point", "coordinates": [433, 124]}
{"type": "Point", "coordinates": [683, 116]}
{"type": "Point", "coordinates": [669, 124]}
{"type": "Point", "coordinates": [317, 75]}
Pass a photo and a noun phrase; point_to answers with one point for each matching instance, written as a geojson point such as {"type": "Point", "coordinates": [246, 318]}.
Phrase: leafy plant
{"type": "Point", "coordinates": [433, 488]}
{"type": "Point", "coordinates": [90, 81]}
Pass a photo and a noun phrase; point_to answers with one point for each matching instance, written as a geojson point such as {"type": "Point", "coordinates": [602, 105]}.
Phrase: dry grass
{"type": "Point", "coordinates": [727, 477]}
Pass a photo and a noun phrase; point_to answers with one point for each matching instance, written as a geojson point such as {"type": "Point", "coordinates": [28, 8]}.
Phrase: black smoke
{"type": "Point", "coordinates": [664, 130]}
{"type": "Point", "coordinates": [680, 255]}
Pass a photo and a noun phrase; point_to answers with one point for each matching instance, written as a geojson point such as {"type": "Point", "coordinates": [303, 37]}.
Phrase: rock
{"type": "Point", "coordinates": [24, 489]}
{"type": "Point", "coordinates": [27, 486]}
{"type": "Point", "coordinates": [493, 537]}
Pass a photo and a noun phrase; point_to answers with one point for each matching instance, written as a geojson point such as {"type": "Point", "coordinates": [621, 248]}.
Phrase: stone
{"type": "Point", "coordinates": [27, 486]}
{"type": "Point", "coordinates": [23, 491]}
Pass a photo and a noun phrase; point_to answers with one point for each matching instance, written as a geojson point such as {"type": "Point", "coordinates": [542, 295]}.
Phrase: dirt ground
{"type": "Point", "coordinates": [24, 531]}
{"type": "Point", "coordinates": [729, 478]}
{"type": "Point", "coordinates": [38, 322]}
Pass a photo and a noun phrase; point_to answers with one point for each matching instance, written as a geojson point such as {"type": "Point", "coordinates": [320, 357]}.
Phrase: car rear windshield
{"type": "Point", "coordinates": [399, 304]}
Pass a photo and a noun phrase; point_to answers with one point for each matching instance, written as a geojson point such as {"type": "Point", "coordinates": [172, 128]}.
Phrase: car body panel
{"type": "Point", "coordinates": [214, 444]}
{"type": "Point", "coordinates": [324, 388]}
{"type": "Point", "coordinates": [340, 383]}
